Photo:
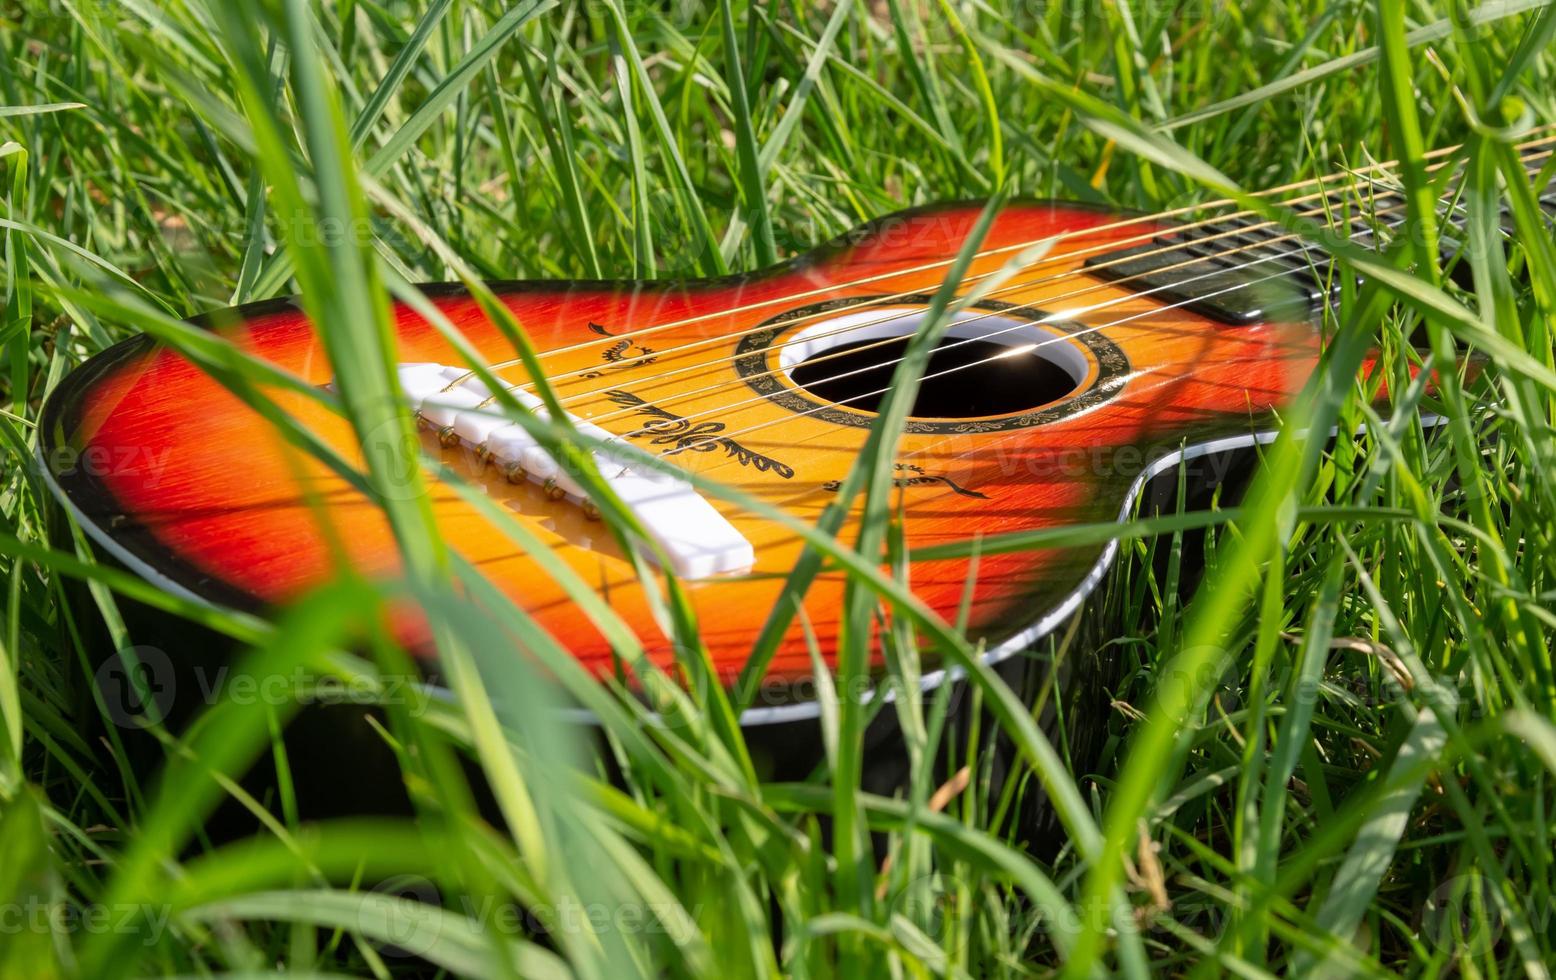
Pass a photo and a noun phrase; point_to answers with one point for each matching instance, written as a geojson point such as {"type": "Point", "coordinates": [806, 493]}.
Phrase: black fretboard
{"type": "Point", "coordinates": [1246, 270]}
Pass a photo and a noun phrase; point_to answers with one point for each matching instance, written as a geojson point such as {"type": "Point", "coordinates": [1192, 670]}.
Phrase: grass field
{"type": "Point", "coordinates": [1358, 780]}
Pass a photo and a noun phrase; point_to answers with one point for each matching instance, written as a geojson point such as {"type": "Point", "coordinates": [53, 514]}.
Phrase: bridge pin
{"type": "Point", "coordinates": [447, 437]}
{"type": "Point", "coordinates": [553, 489]}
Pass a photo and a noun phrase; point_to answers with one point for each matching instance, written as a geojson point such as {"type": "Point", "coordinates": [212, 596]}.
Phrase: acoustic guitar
{"type": "Point", "coordinates": [1088, 352]}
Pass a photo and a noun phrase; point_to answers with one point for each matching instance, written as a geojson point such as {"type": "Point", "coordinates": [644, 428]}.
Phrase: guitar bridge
{"type": "Point", "coordinates": [697, 540]}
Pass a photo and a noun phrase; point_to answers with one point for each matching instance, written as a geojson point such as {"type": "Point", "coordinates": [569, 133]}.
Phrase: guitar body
{"type": "Point", "coordinates": [1101, 386]}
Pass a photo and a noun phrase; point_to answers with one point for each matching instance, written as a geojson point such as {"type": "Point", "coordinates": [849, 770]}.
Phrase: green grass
{"type": "Point", "coordinates": [1337, 756]}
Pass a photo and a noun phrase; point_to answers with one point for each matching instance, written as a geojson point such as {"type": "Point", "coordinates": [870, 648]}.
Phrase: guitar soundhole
{"type": "Point", "coordinates": [965, 378]}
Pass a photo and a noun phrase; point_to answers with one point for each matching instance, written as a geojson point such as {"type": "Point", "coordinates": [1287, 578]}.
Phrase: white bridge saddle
{"type": "Point", "coordinates": [695, 537]}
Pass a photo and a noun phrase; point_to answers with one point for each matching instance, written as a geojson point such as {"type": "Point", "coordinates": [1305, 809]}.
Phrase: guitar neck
{"type": "Point", "coordinates": [1243, 269]}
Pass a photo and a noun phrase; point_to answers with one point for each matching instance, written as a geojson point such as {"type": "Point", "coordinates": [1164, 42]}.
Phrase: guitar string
{"type": "Point", "coordinates": [1016, 247]}
{"type": "Point", "coordinates": [1102, 247]}
{"type": "Point", "coordinates": [887, 300]}
{"type": "Point", "coordinates": [709, 442]}
{"type": "Point", "coordinates": [1046, 301]}
{"type": "Point", "coordinates": [1054, 318]}
{"type": "Point", "coordinates": [1303, 250]}
{"type": "Point", "coordinates": [714, 440]}
{"type": "Point", "coordinates": [1097, 286]}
